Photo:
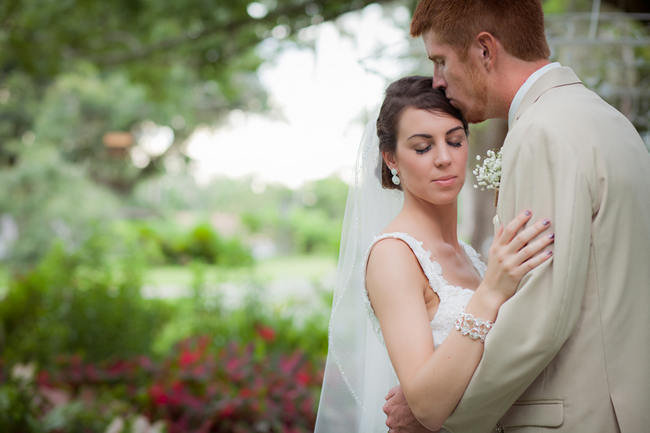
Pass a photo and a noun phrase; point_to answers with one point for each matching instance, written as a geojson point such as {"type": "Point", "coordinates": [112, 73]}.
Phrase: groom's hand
{"type": "Point", "coordinates": [399, 417]}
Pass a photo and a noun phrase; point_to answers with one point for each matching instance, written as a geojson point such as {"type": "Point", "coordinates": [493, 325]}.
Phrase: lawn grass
{"type": "Point", "coordinates": [309, 267]}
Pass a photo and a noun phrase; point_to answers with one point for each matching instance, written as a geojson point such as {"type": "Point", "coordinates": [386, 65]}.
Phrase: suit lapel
{"type": "Point", "coordinates": [558, 77]}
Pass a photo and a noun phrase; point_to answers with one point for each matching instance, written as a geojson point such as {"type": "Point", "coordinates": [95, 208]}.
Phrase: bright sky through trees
{"type": "Point", "coordinates": [321, 97]}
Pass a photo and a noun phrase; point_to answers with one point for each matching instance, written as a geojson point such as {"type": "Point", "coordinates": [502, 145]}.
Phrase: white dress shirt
{"type": "Point", "coordinates": [514, 105]}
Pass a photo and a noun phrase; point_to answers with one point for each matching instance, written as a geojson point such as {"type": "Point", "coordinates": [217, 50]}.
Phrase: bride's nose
{"type": "Point", "coordinates": [442, 157]}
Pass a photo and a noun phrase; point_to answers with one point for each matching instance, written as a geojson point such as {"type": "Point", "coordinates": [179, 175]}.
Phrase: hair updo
{"type": "Point", "coordinates": [416, 92]}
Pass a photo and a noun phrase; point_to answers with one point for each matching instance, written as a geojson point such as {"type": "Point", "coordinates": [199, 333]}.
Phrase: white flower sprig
{"type": "Point", "coordinates": [488, 173]}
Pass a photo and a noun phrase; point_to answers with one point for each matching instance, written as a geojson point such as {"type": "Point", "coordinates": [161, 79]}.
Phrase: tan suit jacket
{"type": "Point", "coordinates": [570, 352]}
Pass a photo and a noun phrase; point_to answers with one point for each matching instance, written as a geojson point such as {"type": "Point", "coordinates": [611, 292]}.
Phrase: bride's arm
{"type": "Point", "coordinates": [433, 381]}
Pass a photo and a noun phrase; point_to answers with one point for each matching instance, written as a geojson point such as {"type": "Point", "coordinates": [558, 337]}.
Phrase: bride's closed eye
{"type": "Point", "coordinates": [426, 149]}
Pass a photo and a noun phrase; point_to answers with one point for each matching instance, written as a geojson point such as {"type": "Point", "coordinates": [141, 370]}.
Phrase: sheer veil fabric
{"type": "Point", "coordinates": [358, 372]}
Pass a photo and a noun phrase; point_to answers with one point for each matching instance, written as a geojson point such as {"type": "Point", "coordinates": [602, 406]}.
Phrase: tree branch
{"type": "Point", "coordinates": [228, 28]}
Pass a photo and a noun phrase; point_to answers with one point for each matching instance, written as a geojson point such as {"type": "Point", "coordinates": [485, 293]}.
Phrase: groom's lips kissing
{"type": "Point", "coordinates": [445, 180]}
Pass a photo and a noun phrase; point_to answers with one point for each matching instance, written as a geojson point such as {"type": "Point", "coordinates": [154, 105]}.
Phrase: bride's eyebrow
{"type": "Point", "coordinates": [454, 129]}
{"type": "Point", "coordinates": [420, 135]}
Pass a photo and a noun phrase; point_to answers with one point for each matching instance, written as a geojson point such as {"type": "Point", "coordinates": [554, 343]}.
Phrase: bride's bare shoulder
{"type": "Point", "coordinates": [391, 260]}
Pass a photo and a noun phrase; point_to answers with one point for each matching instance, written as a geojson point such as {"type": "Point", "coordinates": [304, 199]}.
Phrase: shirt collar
{"type": "Point", "coordinates": [514, 105]}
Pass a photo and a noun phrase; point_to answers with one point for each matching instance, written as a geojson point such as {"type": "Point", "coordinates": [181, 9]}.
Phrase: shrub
{"type": "Point", "coordinates": [313, 231]}
{"type": "Point", "coordinates": [167, 243]}
{"type": "Point", "coordinates": [268, 329]}
{"type": "Point", "coordinates": [85, 301]}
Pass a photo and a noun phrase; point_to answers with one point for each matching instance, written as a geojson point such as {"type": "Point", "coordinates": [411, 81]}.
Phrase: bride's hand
{"type": "Point", "coordinates": [514, 252]}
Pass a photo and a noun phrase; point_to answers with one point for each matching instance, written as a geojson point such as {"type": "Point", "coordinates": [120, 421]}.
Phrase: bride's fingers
{"type": "Point", "coordinates": [534, 262]}
{"type": "Point", "coordinates": [514, 226]}
{"type": "Point", "coordinates": [534, 247]}
{"type": "Point", "coordinates": [526, 235]}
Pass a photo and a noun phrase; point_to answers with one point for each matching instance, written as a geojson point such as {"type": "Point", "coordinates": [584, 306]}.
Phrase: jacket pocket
{"type": "Point", "coordinates": [534, 413]}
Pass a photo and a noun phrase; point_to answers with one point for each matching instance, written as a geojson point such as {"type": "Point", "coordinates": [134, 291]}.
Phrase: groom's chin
{"type": "Point", "coordinates": [473, 117]}
{"type": "Point", "coordinates": [469, 115]}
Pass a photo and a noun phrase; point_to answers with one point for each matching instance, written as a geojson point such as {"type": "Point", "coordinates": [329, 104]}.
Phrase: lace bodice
{"type": "Point", "coordinates": [453, 299]}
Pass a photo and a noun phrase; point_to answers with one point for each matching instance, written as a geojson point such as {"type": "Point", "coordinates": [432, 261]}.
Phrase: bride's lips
{"type": "Point", "coordinates": [445, 180]}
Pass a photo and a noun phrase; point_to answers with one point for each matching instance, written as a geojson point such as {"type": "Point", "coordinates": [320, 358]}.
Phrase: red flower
{"type": "Point", "coordinates": [245, 393]}
{"type": "Point", "coordinates": [266, 332]}
{"type": "Point", "coordinates": [303, 377]}
{"type": "Point", "coordinates": [178, 386]}
{"type": "Point", "coordinates": [43, 378]}
{"type": "Point", "coordinates": [228, 410]}
{"type": "Point", "coordinates": [157, 392]}
{"type": "Point", "coordinates": [188, 357]}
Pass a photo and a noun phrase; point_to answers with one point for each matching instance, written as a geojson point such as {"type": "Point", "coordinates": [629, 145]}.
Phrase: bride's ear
{"type": "Point", "coordinates": [389, 159]}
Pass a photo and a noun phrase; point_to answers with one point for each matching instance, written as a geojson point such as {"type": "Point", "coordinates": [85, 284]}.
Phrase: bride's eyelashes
{"type": "Point", "coordinates": [426, 149]}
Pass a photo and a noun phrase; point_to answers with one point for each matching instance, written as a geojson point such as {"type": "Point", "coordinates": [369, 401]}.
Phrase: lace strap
{"type": "Point", "coordinates": [432, 270]}
{"type": "Point", "coordinates": [479, 265]}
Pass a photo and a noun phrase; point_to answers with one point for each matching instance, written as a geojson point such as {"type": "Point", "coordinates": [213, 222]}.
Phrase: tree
{"type": "Point", "coordinates": [73, 71]}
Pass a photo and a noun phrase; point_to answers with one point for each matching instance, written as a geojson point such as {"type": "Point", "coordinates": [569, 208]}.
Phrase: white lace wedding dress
{"type": "Point", "coordinates": [453, 300]}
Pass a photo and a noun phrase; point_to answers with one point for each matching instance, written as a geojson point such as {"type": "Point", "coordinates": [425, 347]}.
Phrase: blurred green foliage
{"type": "Point", "coordinates": [314, 231]}
{"type": "Point", "coordinates": [49, 199]}
{"type": "Point", "coordinates": [206, 315]}
{"type": "Point", "coordinates": [85, 301]}
{"type": "Point", "coordinates": [167, 243]}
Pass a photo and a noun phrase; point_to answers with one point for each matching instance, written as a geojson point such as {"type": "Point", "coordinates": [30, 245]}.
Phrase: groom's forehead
{"type": "Point", "coordinates": [435, 46]}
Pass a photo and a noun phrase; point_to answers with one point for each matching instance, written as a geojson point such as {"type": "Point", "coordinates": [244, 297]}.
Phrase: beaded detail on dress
{"type": "Point", "coordinates": [453, 299]}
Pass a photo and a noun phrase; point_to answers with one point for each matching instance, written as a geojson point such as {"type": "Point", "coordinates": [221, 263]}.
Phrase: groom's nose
{"type": "Point", "coordinates": [438, 81]}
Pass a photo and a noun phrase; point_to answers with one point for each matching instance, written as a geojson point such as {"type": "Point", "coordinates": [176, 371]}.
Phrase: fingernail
{"type": "Point", "coordinates": [528, 213]}
{"type": "Point", "coordinates": [550, 253]}
{"type": "Point", "coordinates": [551, 236]}
{"type": "Point", "coordinates": [546, 222]}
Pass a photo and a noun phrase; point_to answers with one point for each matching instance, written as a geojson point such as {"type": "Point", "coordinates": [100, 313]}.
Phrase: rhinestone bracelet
{"type": "Point", "coordinates": [473, 327]}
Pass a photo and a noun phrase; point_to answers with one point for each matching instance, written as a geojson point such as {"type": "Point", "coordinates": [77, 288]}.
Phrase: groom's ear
{"type": "Point", "coordinates": [486, 49]}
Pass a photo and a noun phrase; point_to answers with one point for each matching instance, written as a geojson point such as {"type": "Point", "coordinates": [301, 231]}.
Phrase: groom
{"type": "Point", "coordinates": [570, 352]}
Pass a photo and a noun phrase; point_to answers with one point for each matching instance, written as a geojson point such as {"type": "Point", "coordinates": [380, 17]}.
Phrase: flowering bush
{"type": "Point", "coordinates": [196, 388]}
{"type": "Point", "coordinates": [230, 390]}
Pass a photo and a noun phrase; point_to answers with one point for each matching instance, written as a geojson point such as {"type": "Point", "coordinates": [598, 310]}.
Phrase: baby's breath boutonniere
{"type": "Point", "coordinates": [488, 172]}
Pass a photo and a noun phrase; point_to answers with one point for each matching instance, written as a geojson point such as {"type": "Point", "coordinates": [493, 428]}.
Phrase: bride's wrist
{"type": "Point", "coordinates": [488, 300]}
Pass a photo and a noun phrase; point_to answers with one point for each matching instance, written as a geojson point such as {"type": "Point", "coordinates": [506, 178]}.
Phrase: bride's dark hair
{"type": "Point", "coordinates": [416, 92]}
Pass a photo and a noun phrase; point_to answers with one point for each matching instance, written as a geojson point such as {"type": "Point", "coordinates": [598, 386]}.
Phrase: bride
{"type": "Point", "coordinates": [413, 304]}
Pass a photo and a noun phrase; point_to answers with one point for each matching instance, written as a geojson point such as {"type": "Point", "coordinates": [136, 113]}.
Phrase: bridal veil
{"type": "Point", "coordinates": [358, 372]}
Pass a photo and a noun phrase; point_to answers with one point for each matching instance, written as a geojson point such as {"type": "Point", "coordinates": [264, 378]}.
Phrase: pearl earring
{"type": "Point", "coordinates": [395, 177]}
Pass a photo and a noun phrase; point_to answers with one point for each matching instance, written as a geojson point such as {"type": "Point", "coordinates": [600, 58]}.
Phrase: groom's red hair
{"type": "Point", "coordinates": [517, 24]}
